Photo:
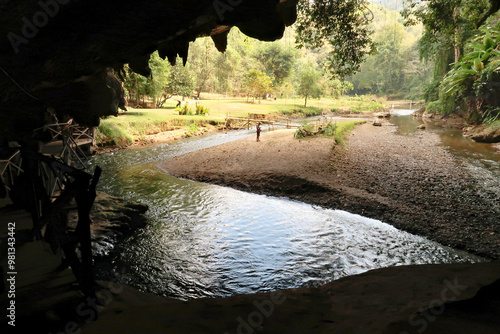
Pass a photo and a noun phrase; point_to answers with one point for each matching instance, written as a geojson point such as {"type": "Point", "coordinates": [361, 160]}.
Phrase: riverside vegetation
{"type": "Point", "coordinates": [138, 125]}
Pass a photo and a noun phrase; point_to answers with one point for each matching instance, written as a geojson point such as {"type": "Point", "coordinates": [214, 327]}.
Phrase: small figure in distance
{"type": "Point", "coordinates": [258, 131]}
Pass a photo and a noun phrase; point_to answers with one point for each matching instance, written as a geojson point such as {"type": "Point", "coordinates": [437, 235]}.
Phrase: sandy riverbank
{"type": "Point", "coordinates": [408, 181]}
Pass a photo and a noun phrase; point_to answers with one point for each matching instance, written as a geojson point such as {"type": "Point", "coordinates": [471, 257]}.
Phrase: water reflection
{"type": "Point", "coordinates": [206, 240]}
{"type": "Point", "coordinates": [482, 160]}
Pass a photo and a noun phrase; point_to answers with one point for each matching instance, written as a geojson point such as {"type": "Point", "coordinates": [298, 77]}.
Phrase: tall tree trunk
{"type": "Point", "coordinates": [305, 102]}
{"type": "Point", "coordinates": [456, 46]}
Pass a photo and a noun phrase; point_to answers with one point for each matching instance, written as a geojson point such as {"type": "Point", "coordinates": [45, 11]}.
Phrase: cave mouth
{"type": "Point", "coordinates": [61, 70]}
{"type": "Point", "coordinates": [64, 60]}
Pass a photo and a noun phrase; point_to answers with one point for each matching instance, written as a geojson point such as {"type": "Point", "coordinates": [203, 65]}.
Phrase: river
{"type": "Point", "coordinates": [204, 240]}
{"type": "Point", "coordinates": [481, 160]}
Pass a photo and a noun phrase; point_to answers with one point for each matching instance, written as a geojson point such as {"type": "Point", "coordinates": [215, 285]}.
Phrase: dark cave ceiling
{"type": "Point", "coordinates": [56, 55]}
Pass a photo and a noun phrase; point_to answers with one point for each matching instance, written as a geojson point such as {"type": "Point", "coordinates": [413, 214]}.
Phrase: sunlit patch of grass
{"type": "Point", "coordinates": [343, 129]}
{"type": "Point", "coordinates": [136, 124]}
{"type": "Point", "coordinates": [336, 131]}
{"type": "Point", "coordinates": [495, 125]}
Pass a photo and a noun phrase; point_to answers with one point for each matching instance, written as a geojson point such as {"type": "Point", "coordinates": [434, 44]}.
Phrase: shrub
{"type": "Point", "coordinates": [376, 106]}
{"type": "Point", "coordinates": [434, 107]}
{"type": "Point", "coordinates": [184, 110]}
{"type": "Point", "coordinates": [304, 131]}
{"type": "Point", "coordinates": [193, 129]}
{"type": "Point", "coordinates": [336, 131]}
{"type": "Point", "coordinates": [330, 129]}
{"type": "Point", "coordinates": [201, 110]}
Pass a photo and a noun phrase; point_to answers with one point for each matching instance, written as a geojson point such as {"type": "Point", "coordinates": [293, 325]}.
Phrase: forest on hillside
{"type": "Point", "coordinates": [253, 68]}
{"type": "Point", "coordinates": [443, 52]}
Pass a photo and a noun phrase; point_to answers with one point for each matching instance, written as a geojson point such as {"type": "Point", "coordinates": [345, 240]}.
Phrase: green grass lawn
{"type": "Point", "coordinates": [135, 124]}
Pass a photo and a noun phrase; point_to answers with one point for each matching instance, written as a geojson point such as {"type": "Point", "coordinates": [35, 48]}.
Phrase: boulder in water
{"type": "Point", "coordinates": [483, 133]}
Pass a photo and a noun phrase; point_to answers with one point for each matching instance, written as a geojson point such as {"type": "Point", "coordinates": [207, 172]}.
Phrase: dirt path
{"type": "Point", "coordinates": [407, 181]}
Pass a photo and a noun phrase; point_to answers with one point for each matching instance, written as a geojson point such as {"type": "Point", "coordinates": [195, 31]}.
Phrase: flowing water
{"type": "Point", "coordinates": [206, 240]}
{"type": "Point", "coordinates": [480, 159]}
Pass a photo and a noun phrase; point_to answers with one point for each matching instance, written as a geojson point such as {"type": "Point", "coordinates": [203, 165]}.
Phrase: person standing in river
{"type": "Point", "coordinates": [258, 131]}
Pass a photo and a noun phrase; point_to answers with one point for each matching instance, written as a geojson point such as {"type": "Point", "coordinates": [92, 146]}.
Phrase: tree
{"type": "Point", "coordinates": [449, 21]}
{"type": "Point", "coordinates": [308, 83]}
{"type": "Point", "coordinates": [343, 25]}
{"type": "Point", "coordinates": [448, 24]}
{"type": "Point", "coordinates": [160, 71]}
{"type": "Point", "coordinates": [338, 88]}
{"type": "Point", "coordinates": [474, 80]}
{"type": "Point", "coordinates": [202, 59]}
{"type": "Point", "coordinates": [153, 86]}
{"type": "Point", "coordinates": [285, 89]}
{"type": "Point", "coordinates": [257, 84]}
{"type": "Point", "coordinates": [180, 82]}
{"type": "Point", "coordinates": [277, 61]}
{"type": "Point", "coordinates": [395, 68]}
{"type": "Point", "coordinates": [224, 71]}
{"type": "Point", "coordinates": [135, 85]}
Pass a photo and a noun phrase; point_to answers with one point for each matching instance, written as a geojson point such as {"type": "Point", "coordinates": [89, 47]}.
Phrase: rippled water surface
{"type": "Point", "coordinates": [206, 240]}
{"type": "Point", "coordinates": [480, 159]}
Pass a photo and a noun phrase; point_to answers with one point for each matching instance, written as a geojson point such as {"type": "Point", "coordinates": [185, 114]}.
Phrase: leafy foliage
{"type": "Point", "coordinates": [201, 64]}
{"type": "Point", "coordinates": [435, 107]}
{"type": "Point", "coordinates": [184, 110]}
{"type": "Point", "coordinates": [394, 69]}
{"type": "Point", "coordinates": [336, 131]}
{"type": "Point", "coordinates": [308, 83]}
{"type": "Point", "coordinates": [447, 25]}
{"type": "Point", "coordinates": [256, 83]}
{"type": "Point", "coordinates": [342, 25]}
{"type": "Point", "coordinates": [474, 79]}
{"type": "Point", "coordinates": [278, 61]}
{"type": "Point", "coordinates": [201, 110]}
{"type": "Point", "coordinates": [337, 88]}
{"type": "Point", "coordinates": [180, 82]}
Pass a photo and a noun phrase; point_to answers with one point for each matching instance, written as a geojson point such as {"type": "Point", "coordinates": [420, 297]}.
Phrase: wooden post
{"type": "Point", "coordinates": [92, 133]}
{"type": "Point", "coordinates": [85, 199]}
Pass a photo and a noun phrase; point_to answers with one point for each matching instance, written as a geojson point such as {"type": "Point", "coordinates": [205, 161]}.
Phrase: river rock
{"type": "Point", "coordinates": [377, 122]}
{"type": "Point", "coordinates": [429, 115]}
{"type": "Point", "coordinates": [421, 127]}
{"type": "Point", "coordinates": [483, 133]}
{"type": "Point", "coordinates": [382, 114]}
{"type": "Point", "coordinates": [113, 219]}
{"type": "Point", "coordinates": [419, 113]}
{"type": "Point", "coordinates": [455, 121]}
